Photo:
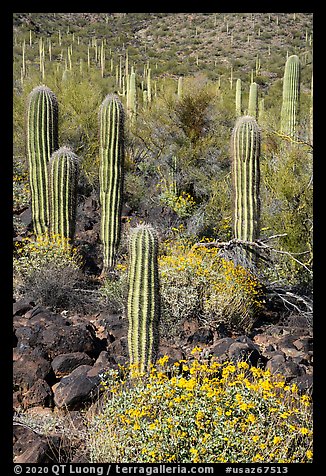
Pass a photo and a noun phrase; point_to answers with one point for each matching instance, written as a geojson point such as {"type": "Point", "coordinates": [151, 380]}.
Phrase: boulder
{"type": "Point", "coordinates": [55, 335]}
{"type": "Point", "coordinates": [30, 447]}
{"type": "Point", "coordinates": [304, 344]}
{"type": "Point", "coordinates": [19, 308]}
{"type": "Point", "coordinates": [304, 383]}
{"type": "Point", "coordinates": [39, 394]}
{"type": "Point", "coordinates": [78, 388]}
{"type": "Point", "coordinates": [64, 364]}
{"type": "Point", "coordinates": [173, 353]}
{"type": "Point", "coordinates": [244, 351]}
{"type": "Point", "coordinates": [221, 348]}
{"type": "Point", "coordinates": [287, 368]}
{"type": "Point", "coordinates": [29, 368]}
{"type": "Point", "coordinates": [201, 336]}
{"type": "Point", "coordinates": [119, 347]}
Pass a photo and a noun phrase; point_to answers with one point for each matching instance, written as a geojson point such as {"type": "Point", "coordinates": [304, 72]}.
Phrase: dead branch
{"type": "Point", "coordinates": [257, 246]}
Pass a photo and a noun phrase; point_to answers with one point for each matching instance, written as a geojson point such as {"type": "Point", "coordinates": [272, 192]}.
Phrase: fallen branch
{"type": "Point", "coordinates": [258, 245]}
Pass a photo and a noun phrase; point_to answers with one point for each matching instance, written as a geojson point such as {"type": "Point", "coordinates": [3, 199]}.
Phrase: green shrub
{"type": "Point", "coordinates": [48, 270]}
{"type": "Point", "coordinates": [201, 412]}
{"type": "Point", "coordinates": [197, 282]}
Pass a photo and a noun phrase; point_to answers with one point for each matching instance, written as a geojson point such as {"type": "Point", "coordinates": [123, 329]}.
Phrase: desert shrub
{"type": "Point", "coordinates": [197, 282]}
{"type": "Point", "coordinates": [21, 190]}
{"type": "Point", "coordinates": [198, 411]}
{"type": "Point", "coordinates": [113, 292]}
{"type": "Point", "coordinates": [182, 204]}
{"type": "Point", "coordinates": [47, 270]}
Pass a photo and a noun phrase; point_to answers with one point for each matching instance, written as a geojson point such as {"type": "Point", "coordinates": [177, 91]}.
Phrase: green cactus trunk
{"type": "Point", "coordinates": [41, 142]}
{"type": "Point", "coordinates": [149, 86]}
{"type": "Point", "coordinates": [180, 87]}
{"type": "Point", "coordinates": [63, 182]}
{"type": "Point", "coordinates": [238, 108]}
{"type": "Point", "coordinates": [291, 93]}
{"type": "Point", "coordinates": [132, 97]}
{"type": "Point", "coordinates": [143, 306]}
{"type": "Point", "coordinates": [245, 149]}
{"type": "Point", "coordinates": [111, 124]}
{"type": "Point", "coordinates": [253, 100]}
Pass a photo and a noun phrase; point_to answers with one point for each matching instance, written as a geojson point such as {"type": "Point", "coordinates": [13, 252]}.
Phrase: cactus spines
{"type": "Point", "coordinates": [143, 306]}
{"type": "Point", "coordinates": [253, 100]}
{"type": "Point", "coordinates": [245, 150]}
{"type": "Point", "coordinates": [238, 98]}
{"type": "Point", "coordinates": [111, 126]}
{"type": "Point", "coordinates": [291, 91]}
{"type": "Point", "coordinates": [41, 142]}
{"type": "Point", "coordinates": [63, 181]}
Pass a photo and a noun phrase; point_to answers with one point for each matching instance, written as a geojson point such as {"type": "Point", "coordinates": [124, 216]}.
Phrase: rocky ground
{"type": "Point", "coordinates": [58, 359]}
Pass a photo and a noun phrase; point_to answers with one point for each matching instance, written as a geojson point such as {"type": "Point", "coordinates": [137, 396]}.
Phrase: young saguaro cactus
{"type": "Point", "coordinates": [111, 125]}
{"type": "Point", "coordinates": [41, 142]}
{"type": "Point", "coordinates": [291, 94]}
{"type": "Point", "coordinates": [245, 150]}
{"type": "Point", "coordinates": [143, 306]}
{"type": "Point", "coordinates": [63, 182]}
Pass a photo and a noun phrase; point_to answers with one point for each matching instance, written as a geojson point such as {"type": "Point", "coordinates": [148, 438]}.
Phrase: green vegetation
{"type": "Point", "coordinates": [196, 126]}
{"type": "Point", "coordinates": [198, 411]}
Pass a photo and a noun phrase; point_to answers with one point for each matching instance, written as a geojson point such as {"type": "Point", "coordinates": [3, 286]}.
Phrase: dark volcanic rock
{"type": "Point", "coordinates": [201, 336]}
{"type": "Point", "coordinates": [304, 383]}
{"type": "Point", "coordinates": [173, 353]}
{"type": "Point", "coordinates": [221, 348]}
{"type": "Point", "coordinates": [119, 347]}
{"type": "Point", "coordinates": [55, 334]}
{"type": "Point", "coordinates": [287, 368]}
{"type": "Point", "coordinates": [29, 368]}
{"type": "Point", "coordinates": [242, 351]}
{"type": "Point", "coordinates": [77, 388]}
{"type": "Point", "coordinates": [40, 394]}
{"type": "Point", "coordinates": [30, 447]}
{"type": "Point", "coordinates": [21, 307]}
{"type": "Point", "coordinates": [65, 363]}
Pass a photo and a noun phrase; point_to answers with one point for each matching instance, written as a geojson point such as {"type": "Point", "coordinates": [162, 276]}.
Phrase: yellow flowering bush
{"type": "Point", "coordinates": [46, 268]}
{"type": "Point", "coordinates": [201, 411]}
{"type": "Point", "coordinates": [182, 204]}
{"type": "Point", "coordinates": [197, 282]}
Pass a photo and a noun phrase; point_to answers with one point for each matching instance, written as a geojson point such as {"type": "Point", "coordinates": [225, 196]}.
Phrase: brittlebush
{"type": "Point", "coordinates": [200, 411]}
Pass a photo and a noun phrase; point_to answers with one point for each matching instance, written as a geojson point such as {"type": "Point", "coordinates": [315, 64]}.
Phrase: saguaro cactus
{"type": "Point", "coordinates": [245, 149]}
{"type": "Point", "coordinates": [291, 92]}
{"type": "Point", "coordinates": [111, 125]}
{"type": "Point", "coordinates": [180, 87]}
{"type": "Point", "coordinates": [41, 142]}
{"type": "Point", "coordinates": [253, 100]}
{"type": "Point", "coordinates": [63, 181]}
{"type": "Point", "coordinates": [238, 109]}
{"type": "Point", "coordinates": [132, 96]}
{"type": "Point", "coordinates": [143, 297]}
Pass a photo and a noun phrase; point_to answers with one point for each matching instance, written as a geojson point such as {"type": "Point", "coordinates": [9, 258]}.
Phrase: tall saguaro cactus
{"type": "Point", "coordinates": [238, 108]}
{"type": "Point", "coordinates": [291, 93]}
{"type": "Point", "coordinates": [143, 306]}
{"type": "Point", "coordinates": [111, 125]}
{"type": "Point", "coordinates": [245, 149]}
{"type": "Point", "coordinates": [132, 96]}
{"type": "Point", "coordinates": [41, 142]}
{"type": "Point", "coordinates": [253, 100]}
{"type": "Point", "coordinates": [63, 181]}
